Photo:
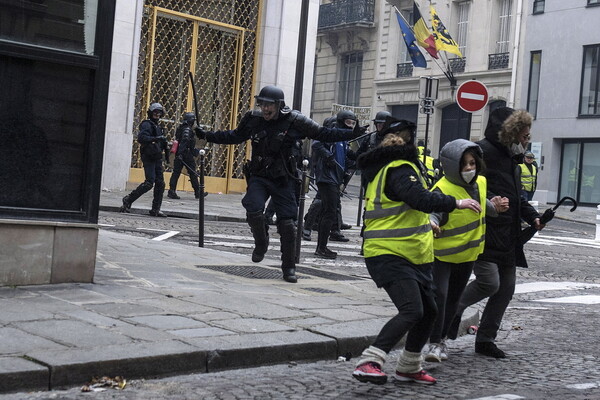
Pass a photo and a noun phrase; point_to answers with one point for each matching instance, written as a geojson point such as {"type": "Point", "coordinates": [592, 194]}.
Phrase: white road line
{"type": "Point", "coordinates": [589, 299]}
{"type": "Point", "coordinates": [107, 225]}
{"type": "Point", "coordinates": [472, 96]}
{"type": "Point", "coordinates": [584, 386]}
{"type": "Point", "coordinates": [501, 397]}
{"type": "Point", "coordinates": [150, 229]}
{"type": "Point", "coordinates": [166, 235]}
{"type": "Point", "coordinates": [531, 287]}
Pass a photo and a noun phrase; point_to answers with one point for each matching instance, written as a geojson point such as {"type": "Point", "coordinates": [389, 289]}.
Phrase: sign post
{"type": "Point", "coordinates": [472, 96]}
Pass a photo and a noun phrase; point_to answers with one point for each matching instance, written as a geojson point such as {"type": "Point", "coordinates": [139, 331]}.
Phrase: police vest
{"type": "Point", "coordinates": [528, 178]}
{"type": "Point", "coordinates": [463, 236]}
{"type": "Point", "coordinates": [393, 227]}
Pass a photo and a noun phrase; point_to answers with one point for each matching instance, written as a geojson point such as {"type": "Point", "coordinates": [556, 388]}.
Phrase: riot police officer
{"type": "Point", "coordinates": [271, 170]}
{"type": "Point", "coordinates": [152, 145]}
{"type": "Point", "coordinates": [184, 157]}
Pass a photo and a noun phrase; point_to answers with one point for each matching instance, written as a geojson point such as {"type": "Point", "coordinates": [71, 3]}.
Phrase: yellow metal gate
{"type": "Point", "coordinates": [216, 41]}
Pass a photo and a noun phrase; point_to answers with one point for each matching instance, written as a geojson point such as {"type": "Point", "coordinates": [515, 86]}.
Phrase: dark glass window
{"type": "Point", "coordinates": [44, 108]}
{"type": "Point", "coordinates": [349, 94]}
{"type": "Point", "coordinates": [590, 82]}
{"type": "Point", "coordinates": [593, 2]}
{"type": "Point", "coordinates": [60, 24]}
{"type": "Point", "coordinates": [534, 82]}
{"type": "Point", "coordinates": [538, 6]}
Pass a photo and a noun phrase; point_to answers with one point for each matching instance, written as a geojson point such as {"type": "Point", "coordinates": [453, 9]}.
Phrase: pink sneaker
{"type": "Point", "coordinates": [370, 372]}
{"type": "Point", "coordinates": [419, 377]}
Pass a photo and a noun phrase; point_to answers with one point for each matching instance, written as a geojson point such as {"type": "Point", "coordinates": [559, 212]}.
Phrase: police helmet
{"type": "Point", "coordinates": [394, 125]}
{"type": "Point", "coordinates": [270, 94]}
{"type": "Point", "coordinates": [156, 107]}
{"type": "Point", "coordinates": [380, 116]}
{"type": "Point", "coordinates": [189, 118]}
{"type": "Point", "coordinates": [344, 115]}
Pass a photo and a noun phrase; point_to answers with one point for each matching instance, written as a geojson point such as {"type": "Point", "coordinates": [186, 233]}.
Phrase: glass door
{"type": "Point", "coordinates": [569, 174]}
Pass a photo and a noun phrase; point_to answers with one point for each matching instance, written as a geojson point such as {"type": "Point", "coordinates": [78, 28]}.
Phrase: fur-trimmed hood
{"type": "Point", "coordinates": [372, 161]}
{"type": "Point", "coordinates": [505, 124]}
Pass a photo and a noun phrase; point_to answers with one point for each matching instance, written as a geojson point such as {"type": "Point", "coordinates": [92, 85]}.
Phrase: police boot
{"type": "Point", "coordinates": [133, 196]}
{"type": "Point", "coordinates": [287, 230]}
{"type": "Point", "coordinates": [159, 189]}
{"type": "Point", "coordinates": [259, 228]}
{"type": "Point", "coordinates": [172, 194]}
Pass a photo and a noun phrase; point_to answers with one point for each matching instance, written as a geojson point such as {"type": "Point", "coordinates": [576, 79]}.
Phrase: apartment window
{"type": "Point", "coordinates": [593, 2]}
{"type": "Point", "coordinates": [463, 26]}
{"type": "Point", "coordinates": [538, 6]}
{"type": "Point", "coordinates": [349, 93]}
{"type": "Point", "coordinates": [590, 82]}
{"type": "Point", "coordinates": [534, 82]}
{"type": "Point", "coordinates": [503, 42]}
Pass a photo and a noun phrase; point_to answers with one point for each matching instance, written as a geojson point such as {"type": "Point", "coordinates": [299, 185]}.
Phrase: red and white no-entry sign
{"type": "Point", "coordinates": [472, 96]}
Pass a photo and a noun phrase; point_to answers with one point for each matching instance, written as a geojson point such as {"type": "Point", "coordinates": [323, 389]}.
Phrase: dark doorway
{"type": "Point", "coordinates": [409, 112]}
{"type": "Point", "coordinates": [456, 124]}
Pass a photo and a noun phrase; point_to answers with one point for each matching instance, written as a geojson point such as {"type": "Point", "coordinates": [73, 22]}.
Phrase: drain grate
{"type": "Point", "coordinates": [246, 271]}
{"type": "Point", "coordinates": [319, 290]}
{"type": "Point", "coordinates": [326, 274]}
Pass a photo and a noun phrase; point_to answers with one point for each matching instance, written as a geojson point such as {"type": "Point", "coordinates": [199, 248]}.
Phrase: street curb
{"type": "Point", "coordinates": [18, 374]}
{"type": "Point", "coordinates": [177, 214]}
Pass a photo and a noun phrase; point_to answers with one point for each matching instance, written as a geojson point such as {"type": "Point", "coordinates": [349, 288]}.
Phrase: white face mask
{"type": "Point", "coordinates": [468, 175]}
{"type": "Point", "coordinates": [517, 149]}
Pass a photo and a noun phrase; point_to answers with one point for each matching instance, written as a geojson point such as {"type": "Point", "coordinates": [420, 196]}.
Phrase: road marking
{"type": "Point", "coordinates": [543, 286]}
{"type": "Point", "coordinates": [564, 241]}
{"type": "Point", "coordinates": [501, 397]}
{"type": "Point", "coordinates": [166, 235]}
{"type": "Point", "coordinates": [107, 225]}
{"type": "Point", "coordinates": [589, 299]}
{"type": "Point", "coordinates": [150, 229]}
{"type": "Point", "coordinates": [583, 386]}
{"type": "Point", "coordinates": [472, 96]}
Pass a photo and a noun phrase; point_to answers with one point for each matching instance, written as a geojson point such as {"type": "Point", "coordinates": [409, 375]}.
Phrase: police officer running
{"type": "Point", "coordinates": [184, 157]}
{"type": "Point", "coordinates": [153, 143]}
{"type": "Point", "coordinates": [271, 170]}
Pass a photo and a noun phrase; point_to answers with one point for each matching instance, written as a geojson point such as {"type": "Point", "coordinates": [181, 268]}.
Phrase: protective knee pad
{"type": "Point", "coordinates": [287, 229]}
{"type": "Point", "coordinates": [146, 185]}
{"type": "Point", "coordinates": [159, 185]}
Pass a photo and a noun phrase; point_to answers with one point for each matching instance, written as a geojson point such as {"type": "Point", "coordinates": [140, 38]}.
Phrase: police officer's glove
{"type": "Point", "coordinates": [161, 139]}
{"type": "Point", "coordinates": [359, 130]}
{"type": "Point", "coordinates": [196, 152]}
{"type": "Point", "coordinates": [200, 133]}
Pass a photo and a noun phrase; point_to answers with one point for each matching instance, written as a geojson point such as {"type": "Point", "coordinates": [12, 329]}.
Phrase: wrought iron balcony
{"type": "Point", "coordinates": [498, 60]}
{"type": "Point", "coordinates": [457, 64]}
{"type": "Point", "coordinates": [404, 69]}
{"type": "Point", "coordinates": [346, 13]}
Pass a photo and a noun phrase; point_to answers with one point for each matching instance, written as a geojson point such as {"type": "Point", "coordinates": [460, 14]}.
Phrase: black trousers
{"type": "Point", "coordinates": [190, 165]}
{"type": "Point", "coordinates": [330, 199]}
{"type": "Point", "coordinates": [416, 314]}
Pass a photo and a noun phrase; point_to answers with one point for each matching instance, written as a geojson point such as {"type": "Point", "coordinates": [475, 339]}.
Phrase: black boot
{"type": "Point", "coordinates": [258, 226]}
{"type": "Point", "coordinates": [287, 230]}
{"type": "Point", "coordinates": [159, 191]}
{"type": "Point", "coordinates": [172, 194]}
{"type": "Point", "coordinates": [157, 213]}
{"type": "Point", "coordinates": [133, 196]}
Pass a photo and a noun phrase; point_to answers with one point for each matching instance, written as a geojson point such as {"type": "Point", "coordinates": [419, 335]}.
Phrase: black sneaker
{"type": "Point", "coordinates": [489, 349]}
{"type": "Point", "coordinates": [306, 234]}
{"type": "Point", "coordinates": [326, 253]}
{"type": "Point", "coordinates": [173, 195]}
{"type": "Point", "coordinates": [346, 226]}
{"type": "Point", "coordinates": [338, 237]}
{"type": "Point", "coordinates": [126, 207]}
{"type": "Point", "coordinates": [157, 213]}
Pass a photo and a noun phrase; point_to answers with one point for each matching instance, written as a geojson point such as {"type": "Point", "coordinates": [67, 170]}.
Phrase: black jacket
{"type": "Point", "coordinates": [502, 244]}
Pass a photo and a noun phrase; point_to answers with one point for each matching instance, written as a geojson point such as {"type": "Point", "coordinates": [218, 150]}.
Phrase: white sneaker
{"type": "Point", "coordinates": [444, 351]}
{"type": "Point", "coordinates": [434, 353]}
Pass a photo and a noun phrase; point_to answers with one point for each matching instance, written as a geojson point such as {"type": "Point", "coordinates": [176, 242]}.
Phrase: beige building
{"type": "Point", "coordinates": [362, 60]}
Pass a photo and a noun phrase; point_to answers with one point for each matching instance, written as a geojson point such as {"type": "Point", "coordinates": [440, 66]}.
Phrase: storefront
{"type": "Point", "coordinates": [580, 171]}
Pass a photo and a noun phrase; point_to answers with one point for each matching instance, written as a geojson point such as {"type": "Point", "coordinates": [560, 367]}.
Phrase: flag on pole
{"type": "Point", "coordinates": [443, 40]}
{"type": "Point", "coordinates": [416, 56]}
{"type": "Point", "coordinates": [424, 37]}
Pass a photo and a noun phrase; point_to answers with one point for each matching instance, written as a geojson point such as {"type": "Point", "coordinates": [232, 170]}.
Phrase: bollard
{"type": "Point", "coordinates": [201, 202]}
{"type": "Point", "coordinates": [598, 223]}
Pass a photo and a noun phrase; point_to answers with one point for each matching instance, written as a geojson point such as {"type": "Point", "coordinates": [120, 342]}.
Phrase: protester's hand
{"type": "Point", "coordinates": [360, 130]}
{"type": "Point", "coordinates": [537, 225]}
{"type": "Point", "coordinates": [500, 203]}
{"type": "Point", "coordinates": [435, 228]}
{"type": "Point", "coordinates": [468, 204]}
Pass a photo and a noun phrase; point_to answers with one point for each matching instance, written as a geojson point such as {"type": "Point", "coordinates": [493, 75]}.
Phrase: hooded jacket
{"type": "Point", "coordinates": [502, 245]}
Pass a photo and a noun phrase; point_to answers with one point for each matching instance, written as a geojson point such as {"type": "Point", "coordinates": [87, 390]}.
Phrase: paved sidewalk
{"type": "Point", "coordinates": [159, 308]}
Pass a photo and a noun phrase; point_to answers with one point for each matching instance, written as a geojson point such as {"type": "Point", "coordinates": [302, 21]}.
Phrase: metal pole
{"type": "Point", "coordinates": [300, 57]}
{"type": "Point", "coordinates": [300, 221]}
{"type": "Point", "coordinates": [361, 193]}
{"type": "Point", "coordinates": [201, 202]}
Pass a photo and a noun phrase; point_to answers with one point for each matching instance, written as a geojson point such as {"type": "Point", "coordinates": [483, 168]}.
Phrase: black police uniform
{"type": "Point", "coordinates": [152, 146]}
{"type": "Point", "coordinates": [184, 157]}
{"type": "Point", "coordinates": [271, 172]}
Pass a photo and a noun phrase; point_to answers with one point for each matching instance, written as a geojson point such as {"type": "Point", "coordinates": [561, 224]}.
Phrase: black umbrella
{"type": "Point", "coordinates": [528, 232]}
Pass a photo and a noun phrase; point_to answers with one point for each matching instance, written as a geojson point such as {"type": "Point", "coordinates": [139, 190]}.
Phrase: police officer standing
{"type": "Point", "coordinates": [152, 145]}
{"type": "Point", "coordinates": [271, 170]}
{"type": "Point", "coordinates": [184, 157]}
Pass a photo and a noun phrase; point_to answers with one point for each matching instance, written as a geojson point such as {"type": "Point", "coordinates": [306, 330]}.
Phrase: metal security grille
{"type": "Point", "coordinates": [216, 41]}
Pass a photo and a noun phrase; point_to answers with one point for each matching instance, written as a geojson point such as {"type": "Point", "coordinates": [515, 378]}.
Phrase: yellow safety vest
{"type": "Point", "coordinates": [463, 237]}
{"type": "Point", "coordinates": [393, 227]}
{"type": "Point", "coordinates": [428, 162]}
{"type": "Point", "coordinates": [528, 178]}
